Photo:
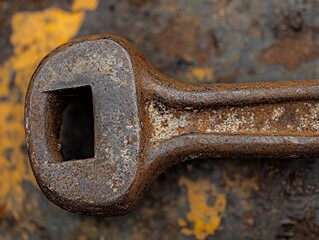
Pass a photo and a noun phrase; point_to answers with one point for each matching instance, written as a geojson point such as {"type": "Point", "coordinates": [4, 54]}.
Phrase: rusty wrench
{"type": "Point", "coordinates": [144, 122]}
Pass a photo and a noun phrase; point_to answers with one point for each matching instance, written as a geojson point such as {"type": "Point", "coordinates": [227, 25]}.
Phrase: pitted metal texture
{"type": "Point", "coordinates": [145, 122]}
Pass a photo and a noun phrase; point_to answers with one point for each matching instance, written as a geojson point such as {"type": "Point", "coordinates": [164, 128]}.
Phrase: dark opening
{"type": "Point", "coordinates": [77, 123]}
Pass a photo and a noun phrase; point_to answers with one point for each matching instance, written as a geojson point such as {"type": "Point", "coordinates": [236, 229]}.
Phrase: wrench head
{"type": "Point", "coordinates": [105, 183]}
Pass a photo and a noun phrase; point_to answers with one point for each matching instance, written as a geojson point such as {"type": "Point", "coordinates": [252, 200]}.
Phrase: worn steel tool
{"type": "Point", "coordinates": [144, 122]}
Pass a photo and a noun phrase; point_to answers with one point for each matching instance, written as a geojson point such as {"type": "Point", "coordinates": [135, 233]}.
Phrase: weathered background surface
{"type": "Point", "coordinates": [192, 41]}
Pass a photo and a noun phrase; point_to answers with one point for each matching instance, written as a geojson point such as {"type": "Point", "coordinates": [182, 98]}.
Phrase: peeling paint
{"type": "Point", "coordinates": [207, 207]}
{"type": "Point", "coordinates": [84, 5]}
{"type": "Point", "coordinates": [201, 74]}
{"type": "Point", "coordinates": [34, 34]}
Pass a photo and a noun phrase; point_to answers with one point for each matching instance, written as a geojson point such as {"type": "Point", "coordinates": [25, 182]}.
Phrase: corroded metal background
{"type": "Point", "coordinates": [193, 41]}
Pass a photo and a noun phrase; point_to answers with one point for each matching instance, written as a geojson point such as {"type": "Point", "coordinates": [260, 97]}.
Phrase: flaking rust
{"type": "Point", "coordinates": [145, 122]}
{"type": "Point", "coordinates": [294, 118]}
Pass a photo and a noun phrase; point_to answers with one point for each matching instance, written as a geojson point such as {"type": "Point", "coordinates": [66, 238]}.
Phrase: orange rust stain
{"type": "Point", "coordinates": [34, 34]}
{"type": "Point", "coordinates": [291, 51]}
{"type": "Point", "coordinates": [242, 187]}
{"type": "Point", "coordinates": [204, 215]}
{"type": "Point", "coordinates": [2, 210]}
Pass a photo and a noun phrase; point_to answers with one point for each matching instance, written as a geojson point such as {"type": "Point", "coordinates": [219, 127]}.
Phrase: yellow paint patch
{"type": "Point", "coordinates": [205, 217]}
{"type": "Point", "coordinates": [12, 160]}
{"type": "Point", "coordinates": [37, 33]}
{"type": "Point", "coordinates": [201, 74]}
{"type": "Point", "coordinates": [34, 34]}
{"type": "Point", "coordinates": [82, 5]}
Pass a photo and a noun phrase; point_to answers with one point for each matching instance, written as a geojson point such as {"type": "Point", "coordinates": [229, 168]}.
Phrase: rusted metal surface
{"type": "Point", "coordinates": [214, 41]}
{"type": "Point", "coordinates": [145, 122]}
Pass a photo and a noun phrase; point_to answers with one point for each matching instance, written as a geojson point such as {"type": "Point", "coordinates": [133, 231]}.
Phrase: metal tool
{"type": "Point", "coordinates": [145, 122]}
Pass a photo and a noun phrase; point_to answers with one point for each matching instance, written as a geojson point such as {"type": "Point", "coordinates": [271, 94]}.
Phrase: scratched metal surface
{"type": "Point", "coordinates": [193, 41]}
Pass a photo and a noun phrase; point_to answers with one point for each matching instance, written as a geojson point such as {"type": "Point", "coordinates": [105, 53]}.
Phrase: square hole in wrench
{"type": "Point", "coordinates": [77, 123]}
